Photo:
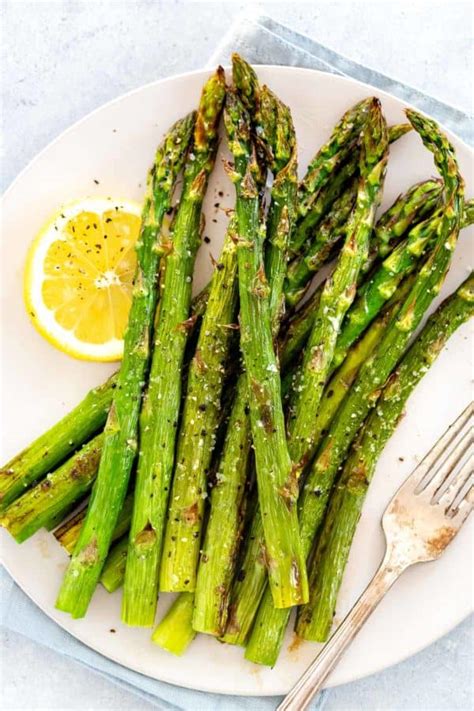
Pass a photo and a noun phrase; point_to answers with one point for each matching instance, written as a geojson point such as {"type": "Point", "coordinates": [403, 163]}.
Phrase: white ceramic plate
{"type": "Point", "coordinates": [114, 146]}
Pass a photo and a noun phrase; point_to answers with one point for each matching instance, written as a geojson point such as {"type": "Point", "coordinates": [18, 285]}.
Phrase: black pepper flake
{"type": "Point", "coordinates": [221, 193]}
{"type": "Point", "coordinates": [214, 219]}
{"type": "Point", "coordinates": [206, 239]}
{"type": "Point", "coordinates": [96, 182]}
{"type": "Point", "coordinates": [217, 204]}
{"type": "Point", "coordinates": [112, 630]}
{"type": "Point", "coordinates": [109, 219]}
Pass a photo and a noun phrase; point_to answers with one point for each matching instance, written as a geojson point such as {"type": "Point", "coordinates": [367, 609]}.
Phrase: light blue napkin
{"type": "Point", "coordinates": [260, 40]}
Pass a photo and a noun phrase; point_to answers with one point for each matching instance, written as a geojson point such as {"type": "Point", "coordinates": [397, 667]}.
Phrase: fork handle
{"type": "Point", "coordinates": [313, 678]}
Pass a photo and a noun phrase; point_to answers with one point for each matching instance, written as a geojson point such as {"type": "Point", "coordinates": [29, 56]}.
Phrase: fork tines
{"type": "Point", "coordinates": [445, 476]}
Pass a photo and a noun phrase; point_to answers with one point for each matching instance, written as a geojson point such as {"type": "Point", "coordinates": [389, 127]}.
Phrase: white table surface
{"type": "Point", "coordinates": [59, 60]}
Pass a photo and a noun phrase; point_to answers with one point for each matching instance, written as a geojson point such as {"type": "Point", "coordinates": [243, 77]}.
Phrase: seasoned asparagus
{"type": "Point", "coordinates": [55, 494]}
{"type": "Point", "coordinates": [375, 371]}
{"type": "Point", "coordinates": [120, 442]}
{"type": "Point", "coordinates": [287, 570]}
{"type": "Point", "coordinates": [52, 447]}
{"type": "Point", "coordinates": [252, 579]}
{"type": "Point", "coordinates": [68, 533]}
{"type": "Point", "coordinates": [408, 209]}
{"type": "Point", "coordinates": [328, 236]}
{"type": "Point", "coordinates": [200, 420]}
{"type": "Point", "coordinates": [338, 291]}
{"type": "Point", "coordinates": [221, 544]}
{"type": "Point", "coordinates": [327, 569]}
{"type": "Point", "coordinates": [113, 572]}
{"type": "Point", "coordinates": [159, 415]}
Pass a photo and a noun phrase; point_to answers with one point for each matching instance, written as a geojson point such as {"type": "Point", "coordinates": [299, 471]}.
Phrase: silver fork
{"type": "Point", "coordinates": [421, 520]}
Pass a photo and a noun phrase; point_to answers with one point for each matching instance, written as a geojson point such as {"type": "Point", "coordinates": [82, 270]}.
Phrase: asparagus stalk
{"type": "Point", "coordinates": [270, 624]}
{"type": "Point", "coordinates": [339, 290]}
{"type": "Point", "coordinates": [328, 236]}
{"type": "Point", "coordinates": [68, 533]}
{"type": "Point", "coordinates": [113, 572]}
{"type": "Point", "coordinates": [287, 571]}
{"type": "Point", "coordinates": [52, 447]}
{"type": "Point", "coordinates": [408, 209]}
{"type": "Point", "coordinates": [371, 296]}
{"type": "Point", "coordinates": [297, 330]}
{"type": "Point", "coordinates": [120, 441]}
{"type": "Point", "coordinates": [333, 178]}
{"type": "Point", "coordinates": [223, 534]}
{"type": "Point", "coordinates": [332, 154]}
{"type": "Point", "coordinates": [175, 631]}
{"type": "Point", "coordinates": [332, 551]}
{"type": "Point", "coordinates": [55, 495]}
{"type": "Point", "coordinates": [197, 435]}
{"type": "Point", "coordinates": [160, 411]}
{"type": "Point", "coordinates": [226, 517]}
{"type": "Point", "coordinates": [374, 373]}
{"type": "Point", "coordinates": [252, 579]}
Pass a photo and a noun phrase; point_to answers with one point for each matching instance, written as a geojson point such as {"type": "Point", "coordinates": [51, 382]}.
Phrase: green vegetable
{"type": "Point", "coordinates": [315, 619]}
{"type": "Point", "coordinates": [200, 420]}
{"type": "Point", "coordinates": [376, 370]}
{"type": "Point", "coordinates": [287, 570]}
{"type": "Point", "coordinates": [223, 534]}
{"type": "Point", "coordinates": [160, 411]}
{"type": "Point", "coordinates": [52, 447]}
{"type": "Point", "coordinates": [55, 494]}
{"type": "Point", "coordinates": [338, 292]}
{"type": "Point", "coordinates": [120, 441]}
{"type": "Point", "coordinates": [175, 632]}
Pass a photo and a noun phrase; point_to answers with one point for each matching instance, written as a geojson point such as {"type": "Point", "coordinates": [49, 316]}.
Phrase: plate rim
{"type": "Point", "coordinates": [342, 79]}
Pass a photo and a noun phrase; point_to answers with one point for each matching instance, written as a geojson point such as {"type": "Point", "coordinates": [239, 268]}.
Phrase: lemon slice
{"type": "Point", "coordinates": [79, 277]}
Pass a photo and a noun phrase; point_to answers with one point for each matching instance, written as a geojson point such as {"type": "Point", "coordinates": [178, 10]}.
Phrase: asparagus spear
{"type": "Point", "coordinates": [371, 296]}
{"type": "Point", "coordinates": [327, 569]}
{"type": "Point", "coordinates": [68, 533]}
{"type": "Point", "coordinates": [52, 447]}
{"type": "Point", "coordinates": [200, 420]}
{"type": "Point", "coordinates": [385, 281]}
{"type": "Point", "coordinates": [221, 544]}
{"type": "Point", "coordinates": [113, 572]}
{"type": "Point", "coordinates": [287, 570]}
{"type": "Point", "coordinates": [374, 373]}
{"type": "Point", "coordinates": [332, 177]}
{"type": "Point", "coordinates": [252, 579]}
{"type": "Point", "coordinates": [159, 415]}
{"type": "Point", "coordinates": [339, 290]}
{"type": "Point", "coordinates": [332, 154]}
{"type": "Point", "coordinates": [408, 209]}
{"type": "Point", "coordinates": [327, 237]}
{"type": "Point", "coordinates": [120, 440]}
{"type": "Point", "coordinates": [175, 631]}
{"type": "Point", "coordinates": [54, 496]}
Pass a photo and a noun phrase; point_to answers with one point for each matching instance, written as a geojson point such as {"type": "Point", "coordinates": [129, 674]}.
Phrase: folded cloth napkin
{"type": "Point", "coordinates": [261, 40]}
